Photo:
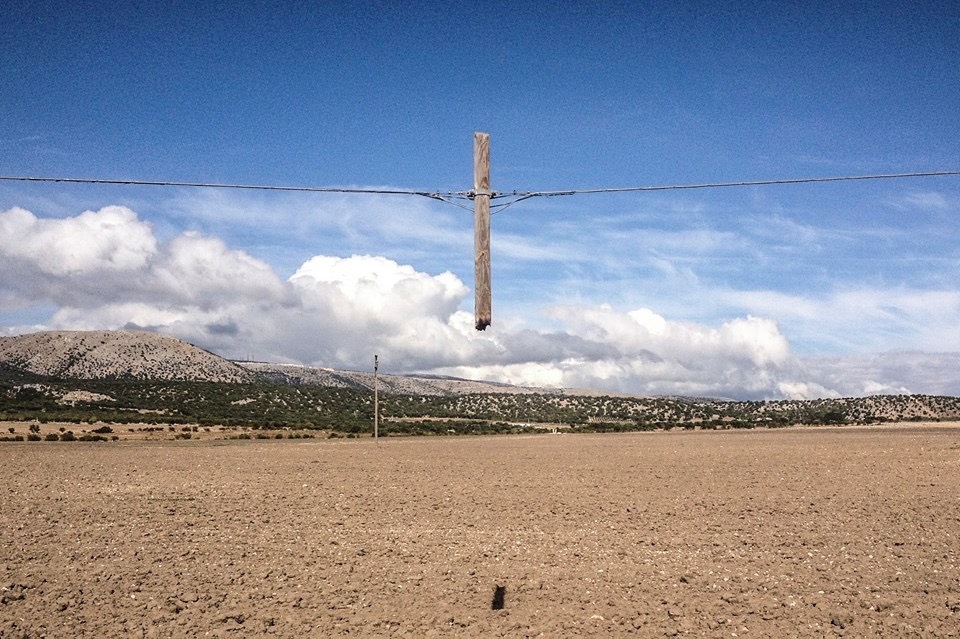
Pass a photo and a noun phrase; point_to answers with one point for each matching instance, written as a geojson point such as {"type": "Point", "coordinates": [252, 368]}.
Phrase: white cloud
{"type": "Point", "coordinates": [86, 257]}
{"type": "Point", "coordinates": [641, 332]}
{"type": "Point", "coordinates": [382, 289]}
{"type": "Point", "coordinates": [109, 240]}
{"type": "Point", "coordinates": [118, 315]}
{"type": "Point", "coordinates": [805, 390]}
{"type": "Point", "coordinates": [643, 352]}
{"type": "Point", "coordinates": [112, 257]}
{"type": "Point", "coordinates": [202, 271]}
{"type": "Point", "coordinates": [372, 304]}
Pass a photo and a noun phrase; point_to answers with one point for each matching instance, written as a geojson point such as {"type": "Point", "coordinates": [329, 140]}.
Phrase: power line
{"type": "Point", "coordinates": [520, 196]}
{"type": "Point", "coordinates": [450, 197]}
{"type": "Point", "coordinates": [713, 185]}
{"type": "Point", "coordinates": [214, 185]}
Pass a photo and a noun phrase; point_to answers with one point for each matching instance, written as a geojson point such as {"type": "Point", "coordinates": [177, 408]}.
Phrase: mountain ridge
{"type": "Point", "coordinates": [120, 354]}
{"type": "Point", "coordinates": [142, 355]}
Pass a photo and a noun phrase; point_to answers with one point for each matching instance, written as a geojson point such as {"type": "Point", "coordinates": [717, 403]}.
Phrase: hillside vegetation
{"type": "Point", "coordinates": [267, 405]}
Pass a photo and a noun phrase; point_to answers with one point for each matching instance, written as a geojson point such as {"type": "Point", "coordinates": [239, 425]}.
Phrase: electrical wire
{"type": "Point", "coordinates": [213, 185]}
{"type": "Point", "coordinates": [450, 197]}
{"type": "Point", "coordinates": [714, 185]}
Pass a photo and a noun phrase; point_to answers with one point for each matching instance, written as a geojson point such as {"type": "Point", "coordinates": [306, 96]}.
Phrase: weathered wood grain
{"type": "Point", "coordinates": [481, 229]}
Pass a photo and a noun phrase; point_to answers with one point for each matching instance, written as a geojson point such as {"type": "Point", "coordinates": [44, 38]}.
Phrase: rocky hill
{"type": "Point", "coordinates": [149, 356]}
{"type": "Point", "coordinates": [396, 384]}
{"type": "Point", "coordinates": [116, 355]}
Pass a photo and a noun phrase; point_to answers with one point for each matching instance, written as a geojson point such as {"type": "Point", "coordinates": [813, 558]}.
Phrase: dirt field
{"type": "Point", "coordinates": [791, 533]}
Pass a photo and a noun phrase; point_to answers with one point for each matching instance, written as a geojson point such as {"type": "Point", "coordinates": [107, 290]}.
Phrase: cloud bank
{"type": "Point", "coordinates": [108, 269]}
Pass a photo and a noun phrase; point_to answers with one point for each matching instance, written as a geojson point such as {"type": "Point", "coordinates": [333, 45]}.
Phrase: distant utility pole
{"type": "Point", "coordinates": [481, 229]}
{"type": "Point", "coordinates": [376, 400]}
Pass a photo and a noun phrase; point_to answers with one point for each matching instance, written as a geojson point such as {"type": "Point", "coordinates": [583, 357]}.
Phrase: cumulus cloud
{"type": "Point", "coordinates": [110, 256]}
{"type": "Point", "coordinates": [94, 242]}
{"type": "Point", "coordinates": [372, 304]}
{"type": "Point", "coordinates": [107, 269]}
{"type": "Point", "coordinates": [379, 289]}
{"type": "Point", "coordinates": [70, 259]}
{"type": "Point", "coordinates": [203, 272]}
{"type": "Point", "coordinates": [642, 352]}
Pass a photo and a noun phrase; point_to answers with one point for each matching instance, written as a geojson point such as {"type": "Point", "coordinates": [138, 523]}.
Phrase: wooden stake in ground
{"type": "Point", "coordinates": [376, 400]}
{"type": "Point", "coordinates": [481, 229]}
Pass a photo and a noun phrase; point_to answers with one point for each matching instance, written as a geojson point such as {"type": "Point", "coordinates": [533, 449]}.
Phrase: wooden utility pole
{"type": "Point", "coordinates": [376, 400]}
{"type": "Point", "coordinates": [481, 229]}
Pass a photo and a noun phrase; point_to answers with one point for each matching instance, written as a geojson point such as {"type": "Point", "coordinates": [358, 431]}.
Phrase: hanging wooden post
{"type": "Point", "coordinates": [376, 400]}
{"type": "Point", "coordinates": [481, 229]}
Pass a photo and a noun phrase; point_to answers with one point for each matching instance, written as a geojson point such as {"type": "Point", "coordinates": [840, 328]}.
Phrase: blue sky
{"type": "Point", "coordinates": [773, 291]}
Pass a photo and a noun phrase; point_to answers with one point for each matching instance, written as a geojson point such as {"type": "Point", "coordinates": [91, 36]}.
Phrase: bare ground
{"type": "Point", "coordinates": [792, 533]}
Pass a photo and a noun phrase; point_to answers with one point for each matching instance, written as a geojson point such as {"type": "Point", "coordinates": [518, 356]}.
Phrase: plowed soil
{"type": "Point", "coordinates": [790, 533]}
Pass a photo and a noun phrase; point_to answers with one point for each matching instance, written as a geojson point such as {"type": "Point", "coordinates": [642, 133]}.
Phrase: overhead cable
{"type": "Point", "coordinates": [449, 196]}
{"type": "Point", "coordinates": [214, 185]}
{"type": "Point", "coordinates": [714, 185]}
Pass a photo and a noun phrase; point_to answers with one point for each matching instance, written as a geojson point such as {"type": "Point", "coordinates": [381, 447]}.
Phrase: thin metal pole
{"type": "Point", "coordinates": [376, 399]}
